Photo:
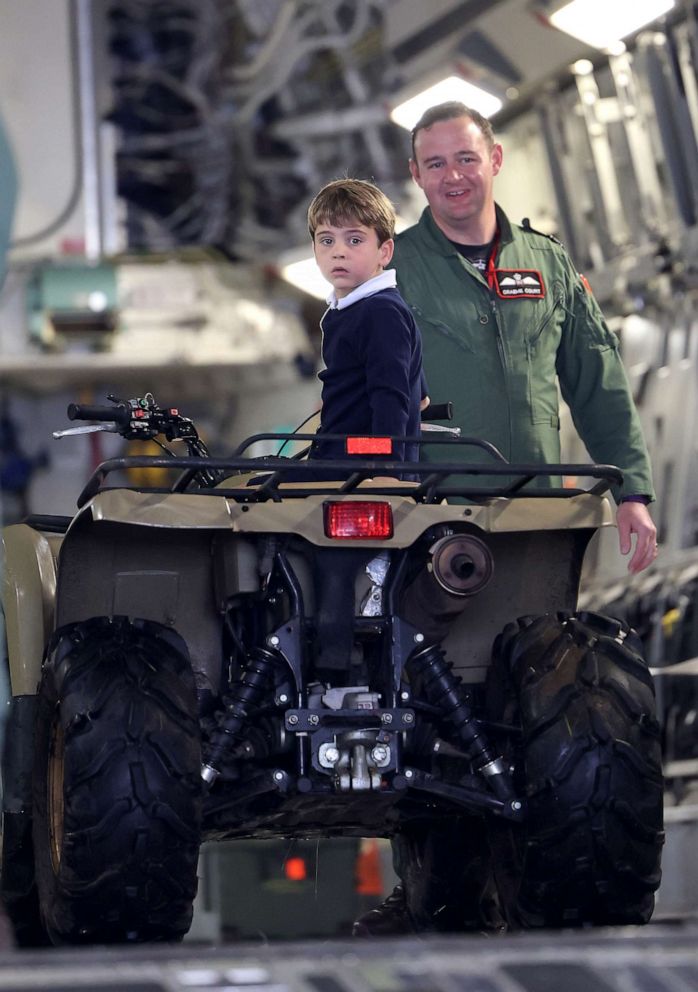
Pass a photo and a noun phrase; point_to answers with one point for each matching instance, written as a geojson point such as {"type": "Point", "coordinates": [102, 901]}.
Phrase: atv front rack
{"type": "Point", "coordinates": [257, 479]}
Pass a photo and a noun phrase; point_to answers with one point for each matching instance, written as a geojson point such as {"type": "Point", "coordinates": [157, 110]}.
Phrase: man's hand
{"type": "Point", "coordinates": [634, 518]}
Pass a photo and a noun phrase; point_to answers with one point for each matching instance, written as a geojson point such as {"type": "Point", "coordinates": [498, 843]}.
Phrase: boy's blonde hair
{"type": "Point", "coordinates": [352, 200]}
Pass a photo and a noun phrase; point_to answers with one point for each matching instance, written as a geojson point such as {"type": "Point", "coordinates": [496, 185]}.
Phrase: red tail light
{"type": "Point", "coordinates": [369, 446]}
{"type": "Point", "coordinates": [359, 520]}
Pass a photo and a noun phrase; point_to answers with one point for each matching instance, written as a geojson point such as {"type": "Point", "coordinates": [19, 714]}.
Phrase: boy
{"type": "Point", "coordinates": [373, 381]}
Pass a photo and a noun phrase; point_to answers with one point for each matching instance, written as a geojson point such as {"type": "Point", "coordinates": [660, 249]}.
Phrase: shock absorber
{"type": "Point", "coordinates": [445, 690]}
{"type": "Point", "coordinates": [246, 694]}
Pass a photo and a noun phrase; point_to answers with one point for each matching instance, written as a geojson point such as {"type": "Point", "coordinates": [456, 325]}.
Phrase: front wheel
{"type": "Point", "coordinates": [117, 795]}
{"type": "Point", "coordinates": [589, 762]}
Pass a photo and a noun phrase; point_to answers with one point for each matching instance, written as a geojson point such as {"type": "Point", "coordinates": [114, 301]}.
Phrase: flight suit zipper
{"type": "Point", "coordinates": [498, 333]}
{"type": "Point", "coordinates": [499, 337]}
{"type": "Point", "coordinates": [491, 283]}
{"type": "Point", "coordinates": [491, 280]}
{"type": "Point", "coordinates": [486, 280]}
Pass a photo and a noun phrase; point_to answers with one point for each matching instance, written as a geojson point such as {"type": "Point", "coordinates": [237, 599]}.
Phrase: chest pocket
{"type": "Point", "coordinates": [547, 321]}
{"type": "Point", "coordinates": [451, 307]}
{"type": "Point", "coordinates": [437, 332]}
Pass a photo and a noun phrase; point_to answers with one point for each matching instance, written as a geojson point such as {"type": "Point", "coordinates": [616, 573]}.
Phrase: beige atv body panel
{"type": "Point", "coordinates": [28, 598]}
{"type": "Point", "coordinates": [304, 517]}
{"type": "Point", "coordinates": [180, 559]}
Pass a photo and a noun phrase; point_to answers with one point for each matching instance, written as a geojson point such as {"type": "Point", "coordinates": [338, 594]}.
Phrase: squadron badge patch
{"type": "Point", "coordinates": [519, 284]}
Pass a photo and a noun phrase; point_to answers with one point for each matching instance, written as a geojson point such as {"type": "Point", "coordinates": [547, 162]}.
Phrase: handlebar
{"type": "Point", "coordinates": [143, 419]}
{"type": "Point", "coordinates": [117, 413]}
{"type": "Point", "coordinates": [438, 411]}
{"type": "Point", "coordinates": [140, 419]}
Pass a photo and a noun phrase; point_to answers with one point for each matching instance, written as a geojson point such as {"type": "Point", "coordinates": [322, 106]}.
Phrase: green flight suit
{"type": "Point", "coordinates": [498, 351]}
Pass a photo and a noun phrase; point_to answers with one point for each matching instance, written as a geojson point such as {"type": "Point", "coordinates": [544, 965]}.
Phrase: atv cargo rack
{"type": "Point", "coordinates": [256, 479]}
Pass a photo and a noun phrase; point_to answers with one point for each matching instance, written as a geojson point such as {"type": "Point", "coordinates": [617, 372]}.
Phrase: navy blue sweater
{"type": "Point", "coordinates": [373, 380]}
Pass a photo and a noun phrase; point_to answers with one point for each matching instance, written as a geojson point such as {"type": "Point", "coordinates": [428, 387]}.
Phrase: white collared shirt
{"type": "Point", "coordinates": [384, 280]}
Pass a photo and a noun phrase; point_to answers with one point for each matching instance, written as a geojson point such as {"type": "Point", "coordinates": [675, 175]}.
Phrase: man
{"type": "Point", "coordinates": [503, 312]}
{"type": "Point", "coordinates": [504, 316]}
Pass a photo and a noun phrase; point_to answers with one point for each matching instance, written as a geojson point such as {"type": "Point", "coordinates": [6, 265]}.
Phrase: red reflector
{"type": "Point", "coordinates": [359, 520]}
{"type": "Point", "coordinates": [295, 869]}
{"type": "Point", "coordinates": [369, 446]}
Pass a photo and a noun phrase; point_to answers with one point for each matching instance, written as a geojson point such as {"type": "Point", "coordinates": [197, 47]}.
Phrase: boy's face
{"type": "Point", "coordinates": [349, 256]}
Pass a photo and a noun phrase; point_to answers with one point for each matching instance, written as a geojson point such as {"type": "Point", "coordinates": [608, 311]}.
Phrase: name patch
{"type": "Point", "coordinates": [519, 284]}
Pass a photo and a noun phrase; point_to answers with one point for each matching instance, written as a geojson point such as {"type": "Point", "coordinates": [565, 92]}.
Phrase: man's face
{"type": "Point", "coordinates": [455, 167]}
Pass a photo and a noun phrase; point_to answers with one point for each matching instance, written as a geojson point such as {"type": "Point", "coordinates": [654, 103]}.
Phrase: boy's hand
{"type": "Point", "coordinates": [424, 403]}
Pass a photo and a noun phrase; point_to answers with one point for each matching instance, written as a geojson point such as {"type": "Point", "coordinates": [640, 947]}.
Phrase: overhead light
{"type": "Point", "coordinates": [603, 23]}
{"type": "Point", "coordinates": [454, 88]}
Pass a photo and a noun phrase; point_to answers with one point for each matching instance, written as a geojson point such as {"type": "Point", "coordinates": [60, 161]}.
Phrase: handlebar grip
{"type": "Point", "coordinates": [86, 411]}
{"type": "Point", "coordinates": [438, 411]}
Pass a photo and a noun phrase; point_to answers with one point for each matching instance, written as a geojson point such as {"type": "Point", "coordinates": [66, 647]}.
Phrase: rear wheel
{"type": "Point", "coordinates": [117, 794]}
{"type": "Point", "coordinates": [589, 763]}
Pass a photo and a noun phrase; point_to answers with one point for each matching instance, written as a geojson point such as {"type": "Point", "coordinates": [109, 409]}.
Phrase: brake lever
{"type": "Point", "coordinates": [439, 429]}
{"type": "Point", "coordinates": [86, 429]}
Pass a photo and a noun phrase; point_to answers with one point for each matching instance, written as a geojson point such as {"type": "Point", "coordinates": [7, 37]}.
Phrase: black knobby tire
{"type": "Point", "coordinates": [117, 791]}
{"type": "Point", "coordinates": [589, 762]}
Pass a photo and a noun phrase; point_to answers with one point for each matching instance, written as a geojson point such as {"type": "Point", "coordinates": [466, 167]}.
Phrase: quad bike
{"type": "Point", "coordinates": [232, 654]}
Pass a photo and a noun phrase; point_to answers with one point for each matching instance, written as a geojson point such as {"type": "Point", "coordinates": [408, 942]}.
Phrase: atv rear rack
{"type": "Point", "coordinates": [431, 482]}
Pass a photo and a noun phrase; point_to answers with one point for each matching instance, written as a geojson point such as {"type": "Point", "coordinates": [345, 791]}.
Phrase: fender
{"type": "Point", "coordinates": [28, 598]}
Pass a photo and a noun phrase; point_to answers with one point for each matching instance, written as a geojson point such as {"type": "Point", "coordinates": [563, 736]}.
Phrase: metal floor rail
{"type": "Point", "coordinates": [657, 958]}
